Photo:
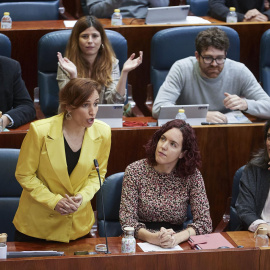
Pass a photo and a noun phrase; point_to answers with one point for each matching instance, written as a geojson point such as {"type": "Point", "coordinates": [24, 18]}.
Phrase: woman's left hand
{"type": "Point", "coordinates": [132, 63]}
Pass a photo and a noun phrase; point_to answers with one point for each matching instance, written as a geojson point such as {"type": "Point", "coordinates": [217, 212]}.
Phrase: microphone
{"type": "Point", "coordinates": [97, 169]}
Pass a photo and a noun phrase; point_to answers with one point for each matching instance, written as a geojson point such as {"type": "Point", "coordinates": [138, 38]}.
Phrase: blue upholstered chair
{"type": "Point", "coordinates": [31, 10]}
{"type": "Point", "coordinates": [10, 190]}
{"type": "Point", "coordinates": [172, 44]}
{"type": "Point", "coordinates": [48, 46]}
{"type": "Point", "coordinates": [265, 61]}
{"type": "Point", "coordinates": [5, 46]}
{"type": "Point", "coordinates": [231, 220]}
{"type": "Point", "coordinates": [199, 7]}
{"type": "Point", "coordinates": [111, 189]}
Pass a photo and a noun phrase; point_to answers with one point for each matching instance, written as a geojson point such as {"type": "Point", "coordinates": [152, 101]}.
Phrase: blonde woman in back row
{"type": "Point", "coordinates": [89, 55]}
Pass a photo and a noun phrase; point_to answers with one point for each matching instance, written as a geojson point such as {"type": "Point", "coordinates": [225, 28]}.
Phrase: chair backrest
{"type": "Point", "coordinates": [48, 46]}
{"type": "Point", "coordinates": [265, 61]}
{"type": "Point", "coordinates": [5, 46]}
{"type": "Point", "coordinates": [235, 222]}
{"type": "Point", "coordinates": [111, 189]}
{"type": "Point", "coordinates": [10, 190]}
{"type": "Point", "coordinates": [199, 7]}
{"type": "Point", "coordinates": [31, 10]}
{"type": "Point", "coordinates": [172, 44]}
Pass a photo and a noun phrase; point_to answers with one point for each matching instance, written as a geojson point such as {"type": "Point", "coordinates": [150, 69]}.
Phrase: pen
{"type": "Point", "coordinates": [208, 123]}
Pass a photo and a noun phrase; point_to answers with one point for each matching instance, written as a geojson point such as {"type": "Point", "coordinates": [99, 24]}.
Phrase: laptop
{"type": "Point", "coordinates": [167, 15]}
{"type": "Point", "coordinates": [111, 114]}
{"type": "Point", "coordinates": [196, 114]}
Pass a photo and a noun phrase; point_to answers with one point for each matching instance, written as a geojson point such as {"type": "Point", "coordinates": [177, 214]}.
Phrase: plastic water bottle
{"type": "Point", "coordinates": [181, 115]}
{"type": "Point", "coordinates": [1, 122]}
{"type": "Point", "coordinates": [116, 17]}
{"type": "Point", "coordinates": [231, 16]}
{"type": "Point", "coordinates": [262, 239]}
{"type": "Point", "coordinates": [6, 22]}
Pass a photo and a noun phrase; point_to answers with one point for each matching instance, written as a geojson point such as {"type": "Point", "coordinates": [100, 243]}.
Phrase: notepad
{"type": "Point", "coordinates": [146, 247]}
{"type": "Point", "coordinates": [209, 241]}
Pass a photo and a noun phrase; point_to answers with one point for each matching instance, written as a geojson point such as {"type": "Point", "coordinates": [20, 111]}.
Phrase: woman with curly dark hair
{"type": "Point", "coordinates": [157, 190]}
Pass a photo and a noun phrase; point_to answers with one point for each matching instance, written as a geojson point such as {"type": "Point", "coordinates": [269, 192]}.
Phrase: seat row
{"type": "Point", "coordinates": [178, 41]}
{"type": "Point", "coordinates": [10, 192]}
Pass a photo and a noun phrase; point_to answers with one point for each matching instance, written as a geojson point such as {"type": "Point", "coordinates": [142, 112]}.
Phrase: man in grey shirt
{"type": "Point", "coordinates": [211, 78]}
{"type": "Point", "coordinates": [128, 8]}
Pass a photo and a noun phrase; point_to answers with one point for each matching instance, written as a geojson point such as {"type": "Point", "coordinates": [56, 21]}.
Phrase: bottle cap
{"type": "Point", "coordinates": [6, 13]}
{"type": "Point", "coordinates": [117, 10]}
{"type": "Point", "coordinates": [181, 110]}
{"type": "Point", "coordinates": [3, 237]}
{"type": "Point", "coordinates": [232, 8]}
{"type": "Point", "coordinates": [129, 230]}
{"type": "Point", "coordinates": [262, 231]}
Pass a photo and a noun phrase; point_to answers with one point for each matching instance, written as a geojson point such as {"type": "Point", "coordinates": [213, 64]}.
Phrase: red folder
{"type": "Point", "coordinates": [209, 241]}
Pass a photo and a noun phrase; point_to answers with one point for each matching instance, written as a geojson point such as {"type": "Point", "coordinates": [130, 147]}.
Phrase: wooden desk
{"type": "Point", "coordinates": [224, 149]}
{"type": "Point", "coordinates": [24, 37]}
{"type": "Point", "coordinates": [229, 259]}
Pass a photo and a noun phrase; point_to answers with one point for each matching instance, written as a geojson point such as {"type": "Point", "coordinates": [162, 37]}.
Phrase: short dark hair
{"type": "Point", "coordinates": [76, 92]}
{"type": "Point", "coordinates": [261, 158]}
{"type": "Point", "coordinates": [214, 37]}
{"type": "Point", "coordinates": [192, 158]}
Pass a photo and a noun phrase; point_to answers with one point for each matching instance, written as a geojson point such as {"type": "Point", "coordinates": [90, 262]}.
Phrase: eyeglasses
{"type": "Point", "coordinates": [209, 59]}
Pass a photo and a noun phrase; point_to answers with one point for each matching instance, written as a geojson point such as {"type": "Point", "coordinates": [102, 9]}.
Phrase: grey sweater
{"type": "Point", "coordinates": [184, 85]}
{"type": "Point", "coordinates": [128, 8]}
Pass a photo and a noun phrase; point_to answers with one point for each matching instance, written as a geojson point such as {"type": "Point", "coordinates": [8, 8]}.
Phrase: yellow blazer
{"type": "Point", "coordinates": [42, 173]}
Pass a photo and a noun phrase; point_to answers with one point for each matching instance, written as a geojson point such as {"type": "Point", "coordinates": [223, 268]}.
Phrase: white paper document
{"type": "Point", "coordinates": [146, 247]}
{"type": "Point", "coordinates": [196, 19]}
{"type": "Point", "coordinates": [237, 117]}
{"type": "Point", "coordinates": [69, 23]}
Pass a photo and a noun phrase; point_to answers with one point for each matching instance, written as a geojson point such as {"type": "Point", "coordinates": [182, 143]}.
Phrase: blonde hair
{"type": "Point", "coordinates": [102, 66]}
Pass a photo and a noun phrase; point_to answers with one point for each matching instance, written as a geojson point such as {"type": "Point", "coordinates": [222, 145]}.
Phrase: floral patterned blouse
{"type": "Point", "coordinates": [150, 196]}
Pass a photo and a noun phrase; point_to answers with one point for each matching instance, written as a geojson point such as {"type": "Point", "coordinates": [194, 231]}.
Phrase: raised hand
{"type": "Point", "coordinates": [67, 65]}
{"type": "Point", "coordinates": [132, 63]}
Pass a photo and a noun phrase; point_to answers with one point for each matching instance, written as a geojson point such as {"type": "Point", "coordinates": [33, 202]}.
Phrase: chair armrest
{"type": "Point", "coordinates": [135, 109]}
{"type": "Point", "coordinates": [149, 98]}
{"type": "Point", "coordinates": [94, 230]}
{"type": "Point", "coordinates": [39, 113]}
{"type": "Point", "coordinates": [223, 224]}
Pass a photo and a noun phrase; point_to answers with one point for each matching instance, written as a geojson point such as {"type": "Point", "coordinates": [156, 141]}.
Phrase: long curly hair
{"type": "Point", "coordinates": [192, 158]}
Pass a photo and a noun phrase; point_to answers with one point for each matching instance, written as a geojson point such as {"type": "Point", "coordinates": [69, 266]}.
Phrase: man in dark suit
{"type": "Point", "coordinates": [15, 102]}
{"type": "Point", "coordinates": [247, 10]}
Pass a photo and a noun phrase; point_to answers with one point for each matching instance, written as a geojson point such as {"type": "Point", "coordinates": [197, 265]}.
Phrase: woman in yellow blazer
{"type": "Point", "coordinates": [56, 169]}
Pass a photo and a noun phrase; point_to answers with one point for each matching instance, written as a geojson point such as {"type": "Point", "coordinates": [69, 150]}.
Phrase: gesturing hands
{"type": "Point", "coordinates": [67, 65]}
{"type": "Point", "coordinates": [132, 63]}
{"type": "Point", "coordinates": [69, 205]}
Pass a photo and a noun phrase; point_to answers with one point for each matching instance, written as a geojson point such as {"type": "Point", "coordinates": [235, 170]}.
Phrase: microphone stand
{"type": "Point", "coordinates": [97, 169]}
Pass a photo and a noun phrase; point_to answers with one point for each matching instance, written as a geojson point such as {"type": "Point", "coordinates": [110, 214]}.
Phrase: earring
{"type": "Point", "coordinates": [102, 46]}
{"type": "Point", "coordinates": [68, 116]}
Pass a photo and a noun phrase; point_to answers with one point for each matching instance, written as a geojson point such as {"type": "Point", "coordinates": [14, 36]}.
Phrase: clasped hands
{"type": "Point", "coordinates": [232, 102]}
{"type": "Point", "coordinates": [69, 205]}
{"type": "Point", "coordinates": [166, 238]}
